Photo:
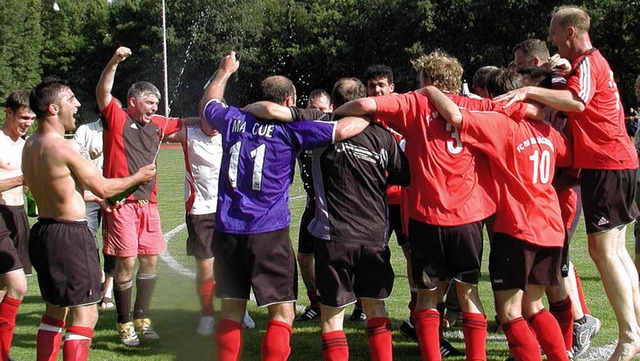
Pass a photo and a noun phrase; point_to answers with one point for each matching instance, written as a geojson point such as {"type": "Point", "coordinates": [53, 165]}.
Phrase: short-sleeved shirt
{"type": "Point", "coordinates": [599, 132]}
{"type": "Point", "coordinates": [89, 137]}
{"type": "Point", "coordinates": [257, 167]}
{"type": "Point", "coordinates": [130, 145]}
{"type": "Point", "coordinates": [350, 180]}
{"type": "Point", "coordinates": [445, 187]}
{"type": "Point", "coordinates": [202, 158]}
{"type": "Point", "coordinates": [523, 156]}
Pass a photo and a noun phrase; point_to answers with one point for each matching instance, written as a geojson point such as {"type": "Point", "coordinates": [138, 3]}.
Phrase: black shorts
{"type": "Point", "coordinates": [65, 257]}
{"type": "Point", "coordinates": [395, 224]}
{"type": "Point", "coordinates": [443, 253]}
{"type": "Point", "coordinates": [264, 261]}
{"type": "Point", "coordinates": [17, 223]}
{"type": "Point", "coordinates": [9, 260]}
{"type": "Point", "coordinates": [347, 271]}
{"type": "Point", "coordinates": [306, 240]}
{"type": "Point", "coordinates": [608, 198]}
{"type": "Point", "coordinates": [200, 235]}
{"type": "Point", "coordinates": [514, 263]}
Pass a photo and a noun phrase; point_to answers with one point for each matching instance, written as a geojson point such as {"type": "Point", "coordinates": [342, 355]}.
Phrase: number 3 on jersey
{"type": "Point", "coordinates": [257, 156]}
{"type": "Point", "coordinates": [454, 146]}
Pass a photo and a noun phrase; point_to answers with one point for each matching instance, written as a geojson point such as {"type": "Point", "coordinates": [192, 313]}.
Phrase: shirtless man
{"type": "Point", "coordinates": [14, 226]}
{"type": "Point", "coordinates": [61, 247]}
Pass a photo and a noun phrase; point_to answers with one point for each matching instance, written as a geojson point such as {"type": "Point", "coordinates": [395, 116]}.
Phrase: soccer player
{"type": "Point", "coordinates": [252, 245]}
{"type": "Point", "coordinates": [61, 247]}
{"type": "Point", "coordinates": [442, 223]}
{"type": "Point", "coordinates": [321, 100]}
{"type": "Point", "coordinates": [352, 254]}
{"type": "Point", "coordinates": [132, 139]}
{"type": "Point", "coordinates": [14, 226]}
{"type": "Point", "coordinates": [530, 52]}
{"type": "Point", "coordinates": [528, 231]}
{"type": "Point", "coordinates": [608, 161]}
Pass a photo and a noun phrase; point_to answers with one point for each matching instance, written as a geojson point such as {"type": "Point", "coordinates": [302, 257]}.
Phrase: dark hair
{"type": "Point", "coordinates": [18, 99]}
{"type": "Point", "coordinates": [503, 80]}
{"type": "Point", "coordinates": [533, 48]}
{"type": "Point", "coordinates": [277, 89]}
{"type": "Point", "coordinates": [480, 77]}
{"type": "Point", "coordinates": [378, 71]}
{"type": "Point", "coordinates": [347, 89]}
{"type": "Point", "coordinates": [539, 75]}
{"type": "Point", "coordinates": [45, 93]}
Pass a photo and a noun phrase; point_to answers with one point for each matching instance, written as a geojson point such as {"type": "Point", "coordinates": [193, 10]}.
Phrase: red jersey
{"type": "Point", "coordinates": [444, 188]}
{"type": "Point", "coordinates": [523, 157]}
{"type": "Point", "coordinates": [599, 133]}
{"type": "Point", "coordinates": [129, 145]}
{"type": "Point", "coordinates": [568, 199]}
{"type": "Point", "coordinates": [393, 191]}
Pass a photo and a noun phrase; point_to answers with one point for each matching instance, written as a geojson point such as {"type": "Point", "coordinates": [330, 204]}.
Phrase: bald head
{"type": "Point", "coordinates": [347, 89]}
{"type": "Point", "coordinates": [279, 89]}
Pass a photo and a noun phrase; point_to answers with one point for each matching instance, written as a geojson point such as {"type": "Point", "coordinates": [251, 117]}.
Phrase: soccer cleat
{"type": "Point", "coordinates": [583, 332]}
{"type": "Point", "coordinates": [144, 329]}
{"type": "Point", "coordinates": [205, 326]}
{"type": "Point", "coordinates": [310, 313]}
{"type": "Point", "coordinates": [447, 349]}
{"type": "Point", "coordinates": [358, 315]}
{"type": "Point", "coordinates": [247, 321]}
{"type": "Point", "coordinates": [408, 330]}
{"type": "Point", "coordinates": [127, 334]}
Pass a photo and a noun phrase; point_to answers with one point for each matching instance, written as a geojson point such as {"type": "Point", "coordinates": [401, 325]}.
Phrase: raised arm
{"type": "Point", "coordinates": [445, 106]}
{"type": "Point", "coordinates": [217, 85]}
{"type": "Point", "coordinates": [105, 84]}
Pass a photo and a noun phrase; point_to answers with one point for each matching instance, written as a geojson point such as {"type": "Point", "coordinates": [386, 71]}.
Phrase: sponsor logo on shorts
{"type": "Point", "coordinates": [498, 280]}
{"type": "Point", "coordinates": [603, 221]}
{"type": "Point", "coordinates": [565, 268]}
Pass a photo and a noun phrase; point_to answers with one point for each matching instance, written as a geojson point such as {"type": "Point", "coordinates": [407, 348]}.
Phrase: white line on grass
{"type": "Point", "coordinates": [169, 260]}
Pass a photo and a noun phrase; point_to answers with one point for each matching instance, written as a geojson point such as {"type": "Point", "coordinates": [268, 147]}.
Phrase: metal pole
{"type": "Point", "coordinates": [164, 53]}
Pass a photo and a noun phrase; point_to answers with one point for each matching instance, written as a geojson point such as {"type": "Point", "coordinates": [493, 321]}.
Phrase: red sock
{"type": "Point", "coordinates": [522, 343]}
{"type": "Point", "coordinates": [441, 307]}
{"type": "Point", "coordinates": [474, 329]}
{"type": "Point", "coordinates": [335, 346]}
{"type": "Point", "coordinates": [583, 303]}
{"type": "Point", "coordinates": [8, 311]}
{"type": "Point", "coordinates": [427, 322]}
{"type": "Point", "coordinates": [228, 339]}
{"type": "Point", "coordinates": [49, 339]}
{"type": "Point", "coordinates": [549, 335]}
{"type": "Point", "coordinates": [563, 314]}
{"type": "Point", "coordinates": [379, 336]}
{"type": "Point", "coordinates": [205, 291]}
{"type": "Point", "coordinates": [77, 343]}
{"type": "Point", "coordinates": [276, 343]}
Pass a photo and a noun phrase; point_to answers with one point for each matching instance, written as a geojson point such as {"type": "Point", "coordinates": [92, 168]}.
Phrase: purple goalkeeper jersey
{"type": "Point", "coordinates": [257, 167]}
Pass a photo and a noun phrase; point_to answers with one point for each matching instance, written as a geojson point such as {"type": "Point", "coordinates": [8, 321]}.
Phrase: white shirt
{"type": "Point", "coordinates": [89, 137]}
{"type": "Point", "coordinates": [203, 156]}
{"type": "Point", "coordinates": [11, 166]}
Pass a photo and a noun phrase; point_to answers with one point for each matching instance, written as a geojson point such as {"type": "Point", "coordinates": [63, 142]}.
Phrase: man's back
{"type": "Point", "coordinates": [351, 181]}
{"type": "Point", "coordinates": [257, 167]}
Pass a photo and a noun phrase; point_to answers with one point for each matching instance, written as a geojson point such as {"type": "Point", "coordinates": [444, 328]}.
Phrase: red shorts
{"type": "Point", "coordinates": [443, 253]}
{"type": "Point", "coordinates": [263, 261]}
{"type": "Point", "coordinates": [346, 271]}
{"type": "Point", "coordinates": [133, 230]}
{"type": "Point", "coordinates": [514, 263]}
{"type": "Point", "coordinates": [200, 235]}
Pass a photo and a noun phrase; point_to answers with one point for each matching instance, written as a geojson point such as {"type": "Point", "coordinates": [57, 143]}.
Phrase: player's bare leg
{"type": "Point", "coordinates": [612, 261]}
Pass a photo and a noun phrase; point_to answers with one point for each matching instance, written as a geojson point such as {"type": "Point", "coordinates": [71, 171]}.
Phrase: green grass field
{"type": "Point", "coordinates": [175, 314]}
